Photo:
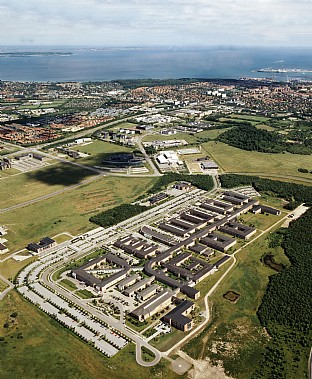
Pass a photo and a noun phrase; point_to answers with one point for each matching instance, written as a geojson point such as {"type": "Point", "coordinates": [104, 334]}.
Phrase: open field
{"type": "Point", "coordinates": [98, 151]}
{"type": "Point", "coordinates": [234, 334]}
{"type": "Point", "coordinates": [212, 134]}
{"type": "Point", "coordinates": [246, 117]}
{"type": "Point", "coordinates": [36, 346]}
{"type": "Point", "coordinates": [11, 267]}
{"type": "Point", "coordinates": [8, 172]}
{"type": "Point", "coordinates": [231, 159]}
{"type": "Point", "coordinates": [71, 210]}
{"type": "Point", "coordinates": [20, 188]}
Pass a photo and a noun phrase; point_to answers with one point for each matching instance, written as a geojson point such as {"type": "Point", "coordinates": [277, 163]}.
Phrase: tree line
{"type": "Point", "coordinates": [288, 191]}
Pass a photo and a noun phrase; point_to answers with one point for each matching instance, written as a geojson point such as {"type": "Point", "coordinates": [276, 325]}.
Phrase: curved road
{"type": "Point", "coordinates": [136, 337]}
{"type": "Point", "coordinates": [212, 290]}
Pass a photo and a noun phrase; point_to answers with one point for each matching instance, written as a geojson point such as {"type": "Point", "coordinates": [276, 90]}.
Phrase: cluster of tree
{"type": "Point", "coordinates": [115, 215]}
{"type": "Point", "coordinates": [203, 182]}
{"type": "Point", "coordinates": [286, 310]}
{"type": "Point", "coordinates": [288, 191]}
{"type": "Point", "coordinates": [248, 137]}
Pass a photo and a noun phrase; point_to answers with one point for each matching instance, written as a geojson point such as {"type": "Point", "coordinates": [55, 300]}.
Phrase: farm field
{"type": "Point", "coordinates": [70, 211]}
{"type": "Point", "coordinates": [234, 160]}
{"type": "Point", "coordinates": [36, 346]}
{"type": "Point", "coordinates": [234, 334]}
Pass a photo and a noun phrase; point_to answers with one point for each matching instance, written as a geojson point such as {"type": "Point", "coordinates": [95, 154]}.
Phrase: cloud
{"type": "Point", "coordinates": [163, 22]}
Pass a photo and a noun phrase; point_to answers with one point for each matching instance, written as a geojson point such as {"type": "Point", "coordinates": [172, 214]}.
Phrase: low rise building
{"type": "Point", "coordinates": [44, 244]}
{"type": "Point", "coordinates": [177, 317]}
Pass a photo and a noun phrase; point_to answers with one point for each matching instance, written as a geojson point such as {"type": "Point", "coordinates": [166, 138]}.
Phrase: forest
{"type": "Point", "coordinates": [286, 310]}
{"type": "Point", "coordinates": [248, 137]}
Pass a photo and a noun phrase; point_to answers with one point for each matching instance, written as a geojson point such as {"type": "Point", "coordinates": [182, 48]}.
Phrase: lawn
{"type": "Point", "coordinates": [234, 334]}
{"type": "Point", "coordinates": [85, 294]}
{"type": "Point", "coordinates": [212, 134]}
{"type": "Point", "coordinates": [234, 160]}
{"type": "Point", "coordinates": [68, 284]}
{"type": "Point", "coordinates": [36, 346]}
{"type": "Point", "coordinates": [70, 211]}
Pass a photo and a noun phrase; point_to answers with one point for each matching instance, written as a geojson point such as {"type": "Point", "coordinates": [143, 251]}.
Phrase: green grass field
{"type": "Point", "coordinates": [249, 117]}
{"type": "Point", "coordinates": [20, 188]}
{"type": "Point", "coordinates": [68, 284]}
{"type": "Point", "coordinates": [70, 211]}
{"type": "Point", "coordinates": [234, 334]}
{"type": "Point", "coordinates": [36, 346]}
{"type": "Point", "coordinates": [231, 159]}
{"type": "Point", "coordinates": [98, 150]}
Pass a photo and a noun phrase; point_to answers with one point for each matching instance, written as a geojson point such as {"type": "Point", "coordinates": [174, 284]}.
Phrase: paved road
{"type": "Point", "coordinates": [146, 156]}
{"type": "Point", "coordinates": [136, 337]}
{"type": "Point", "coordinates": [11, 286]}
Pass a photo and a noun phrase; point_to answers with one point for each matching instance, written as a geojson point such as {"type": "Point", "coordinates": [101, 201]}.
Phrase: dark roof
{"type": "Point", "coordinates": [198, 248]}
{"type": "Point", "coordinates": [157, 236]}
{"type": "Point", "coordinates": [176, 315]}
{"type": "Point", "coordinates": [47, 241]}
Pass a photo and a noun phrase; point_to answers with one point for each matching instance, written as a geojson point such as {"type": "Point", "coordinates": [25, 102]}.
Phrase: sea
{"type": "Point", "coordinates": [68, 63]}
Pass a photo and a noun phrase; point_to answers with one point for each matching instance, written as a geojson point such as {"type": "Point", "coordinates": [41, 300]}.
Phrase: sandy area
{"type": "Point", "coordinates": [203, 369]}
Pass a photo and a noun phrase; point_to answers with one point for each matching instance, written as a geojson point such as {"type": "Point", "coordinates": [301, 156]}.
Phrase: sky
{"type": "Point", "coordinates": [156, 22]}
